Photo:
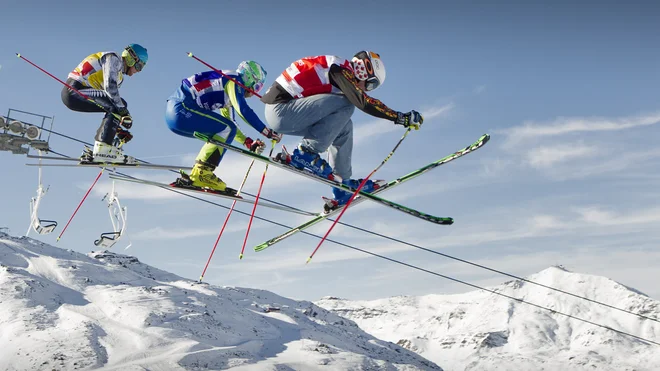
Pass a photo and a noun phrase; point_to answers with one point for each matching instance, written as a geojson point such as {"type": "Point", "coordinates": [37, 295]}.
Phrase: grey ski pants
{"type": "Point", "coordinates": [324, 122]}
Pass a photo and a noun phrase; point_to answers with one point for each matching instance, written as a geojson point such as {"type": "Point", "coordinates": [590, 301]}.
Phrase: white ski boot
{"type": "Point", "coordinates": [105, 153]}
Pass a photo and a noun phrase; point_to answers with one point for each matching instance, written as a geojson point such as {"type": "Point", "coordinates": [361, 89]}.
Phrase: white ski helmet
{"type": "Point", "coordinates": [368, 67]}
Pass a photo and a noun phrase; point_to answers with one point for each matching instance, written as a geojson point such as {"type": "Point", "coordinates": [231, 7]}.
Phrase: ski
{"type": "Point", "coordinates": [332, 183]}
{"type": "Point", "coordinates": [391, 184]}
{"type": "Point", "coordinates": [211, 192]}
{"type": "Point", "coordinates": [54, 158]}
{"type": "Point", "coordinates": [110, 164]}
{"type": "Point", "coordinates": [142, 165]}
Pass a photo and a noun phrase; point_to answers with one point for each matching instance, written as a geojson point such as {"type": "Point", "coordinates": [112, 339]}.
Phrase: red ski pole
{"type": "Point", "coordinates": [68, 86]}
{"type": "Point", "coordinates": [256, 201]}
{"type": "Point", "coordinates": [357, 191]}
{"type": "Point", "coordinates": [225, 223]}
{"type": "Point", "coordinates": [223, 74]}
{"type": "Point", "coordinates": [80, 204]}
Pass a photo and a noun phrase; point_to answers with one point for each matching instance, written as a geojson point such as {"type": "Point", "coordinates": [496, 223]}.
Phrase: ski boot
{"type": "Point", "coordinates": [105, 153]}
{"type": "Point", "coordinates": [202, 178]}
{"type": "Point", "coordinates": [303, 158]}
{"type": "Point", "coordinates": [342, 197]}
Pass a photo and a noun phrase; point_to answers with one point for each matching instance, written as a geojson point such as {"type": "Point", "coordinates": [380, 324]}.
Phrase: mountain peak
{"type": "Point", "coordinates": [67, 310]}
{"type": "Point", "coordinates": [482, 331]}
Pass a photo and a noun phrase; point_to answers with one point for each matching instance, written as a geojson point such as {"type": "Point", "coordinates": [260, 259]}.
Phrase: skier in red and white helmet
{"type": "Point", "coordinates": [315, 98]}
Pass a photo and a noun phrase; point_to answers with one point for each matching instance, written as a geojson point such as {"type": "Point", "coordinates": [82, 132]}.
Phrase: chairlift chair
{"type": "Point", "coordinates": [117, 218]}
{"type": "Point", "coordinates": [41, 226]}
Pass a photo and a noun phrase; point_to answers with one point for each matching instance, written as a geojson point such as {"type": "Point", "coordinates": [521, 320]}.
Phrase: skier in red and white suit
{"type": "Point", "coordinates": [315, 98]}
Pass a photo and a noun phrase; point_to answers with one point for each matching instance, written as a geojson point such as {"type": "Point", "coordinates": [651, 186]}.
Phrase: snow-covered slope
{"type": "Point", "coordinates": [62, 310]}
{"type": "Point", "coordinates": [484, 331]}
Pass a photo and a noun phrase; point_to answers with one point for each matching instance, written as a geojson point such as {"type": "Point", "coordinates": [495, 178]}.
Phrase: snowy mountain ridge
{"type": "Point", "coordinates": [66, 310]}
{"type": "Point", "coordinates": [483, 331]}
{"type": "Point", "coordinates": [63, 310]}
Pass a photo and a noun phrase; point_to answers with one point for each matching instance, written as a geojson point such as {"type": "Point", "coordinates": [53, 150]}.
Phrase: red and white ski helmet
{"type": "Point", "coordinates": [368, 67]}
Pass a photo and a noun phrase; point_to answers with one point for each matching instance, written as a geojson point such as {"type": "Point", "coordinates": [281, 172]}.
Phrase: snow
{"type": "Point", "coordinates": [483, 331]}
{"type": "Point", "coordinates": [63, 310]}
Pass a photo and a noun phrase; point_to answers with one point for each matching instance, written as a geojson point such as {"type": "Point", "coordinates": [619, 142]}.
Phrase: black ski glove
{"type": "Point", "coordinates": [125, 118]}
{"type": "Point", "coordinates": [411, 119]}
{"type": "Point", "coordinates": [124, 135]}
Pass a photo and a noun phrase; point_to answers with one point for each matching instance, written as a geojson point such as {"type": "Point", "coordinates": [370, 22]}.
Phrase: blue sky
{"type": "Point", "coordinates": [568, 93]}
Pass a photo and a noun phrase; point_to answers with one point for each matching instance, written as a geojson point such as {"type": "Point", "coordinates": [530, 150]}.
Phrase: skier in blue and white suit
{"type": "Point", "coordinates": [192, 107]}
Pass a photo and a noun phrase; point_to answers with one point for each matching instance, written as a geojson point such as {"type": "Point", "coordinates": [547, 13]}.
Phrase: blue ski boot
{"type": "Point", "coordinates": [342, 197]}
{"type": "Point", "coordinates": [303, 158]}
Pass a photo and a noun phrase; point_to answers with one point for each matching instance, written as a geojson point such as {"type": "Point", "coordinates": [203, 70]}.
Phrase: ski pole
{"type": "Point", "coordinates": [191, 55]}
{"type": "Point", "coordinates": [69, 86]}
{"type": "Point", "coordinates": [256, 201]}
{"type": "Point", "coordinates": [357, 191]}
{"type": "Point", "coordinates": [80, 204]}
{"type": "Point", "coordinates": [226, 220]}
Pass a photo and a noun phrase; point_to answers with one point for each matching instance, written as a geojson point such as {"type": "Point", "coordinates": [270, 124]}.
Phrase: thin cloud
{"type": "Point", "coordinates": [159, 233]}
{"type": "Point", "coordinates": [546, 156]}
{"type": "Point", "coordinates": [538, 225]}
{"type": "Point", "coordinates": [369, 130]}
{"type": "Point", "coordinates": [529, 226]}
{"type": "Point", "coordinates": [545, 222]}
{"type": "Point", "coordinates": [566, 125]}
{"type": "Point", "coordinates": [437, 111]}
{"type": "Point", "coordinates": [496, 167]}
{"type": "Point", "coordinates": [579, 221]}
{"type": "Point", "coordinates": [181, 156]}
{"type": "Point", "coordinates": [524, 227]}
{"type": "Point", "coordinates": [602, 217]}
{"type": "Point", "coordinates": [479, 89]}
{"type": "Point", "coordinates": [188, 158]}
{"type": "Point", "coordinates": [615, 164]}
{"type": "Point", "coordinates": [636, 267]}
{"type": "Point", "coordinates": [540, 230]}
{"type": "Point", "coordinates": [128, 191]}
{"type": "Point", "coordinates": [595, 215]}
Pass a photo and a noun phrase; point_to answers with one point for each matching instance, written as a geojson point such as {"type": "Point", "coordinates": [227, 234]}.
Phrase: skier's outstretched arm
{"type": "Point", "coordinates": [346, 81]}
{"type": "Point", "coordinates": [237, 97]}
